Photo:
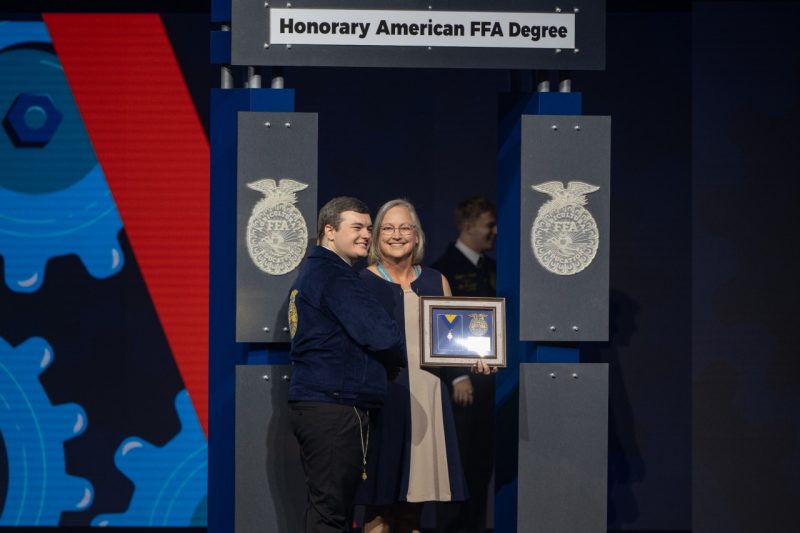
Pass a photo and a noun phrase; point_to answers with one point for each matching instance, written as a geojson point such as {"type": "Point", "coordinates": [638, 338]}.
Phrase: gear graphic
{"type": "Point", "coordinates": [34, 431]}
{"type": "Point", "coordinates": [170, 482]}
{"type": "Point", "coordinates": [54, 198]}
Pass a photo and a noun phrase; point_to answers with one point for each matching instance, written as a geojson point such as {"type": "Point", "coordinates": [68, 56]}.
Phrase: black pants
{"type": "Point", "coordinates": [330, 450]}
{"type": "Point", "coordinates": [475, 427]}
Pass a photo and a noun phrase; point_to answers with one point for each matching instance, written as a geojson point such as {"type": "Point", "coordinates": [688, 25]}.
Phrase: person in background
{"type": "Point", "coordinates": [343, 341]}
{"type": "Point", "coordinates": [471, 273]}
{"type": "Point", "coordinates": [416, 449]}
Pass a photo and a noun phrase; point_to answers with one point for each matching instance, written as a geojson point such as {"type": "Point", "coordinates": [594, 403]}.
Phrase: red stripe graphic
{"type": "Point", "coordinates": [151, 145]}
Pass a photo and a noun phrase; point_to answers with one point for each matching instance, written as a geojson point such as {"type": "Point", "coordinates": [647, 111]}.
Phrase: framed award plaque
{"type": "Point", "coordinates": [458, 331]}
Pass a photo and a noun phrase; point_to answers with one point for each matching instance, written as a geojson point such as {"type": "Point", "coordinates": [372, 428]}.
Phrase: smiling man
{"type": "Point", "coordinates": [343, 340]}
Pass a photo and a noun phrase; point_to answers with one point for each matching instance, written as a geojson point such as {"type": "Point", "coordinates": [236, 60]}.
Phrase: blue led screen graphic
{"type": "Point", "coordinates": [87, 439]}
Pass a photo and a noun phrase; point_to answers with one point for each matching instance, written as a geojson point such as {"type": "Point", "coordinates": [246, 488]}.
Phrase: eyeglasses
{"type": "Point", "coordinates": [405, 230]}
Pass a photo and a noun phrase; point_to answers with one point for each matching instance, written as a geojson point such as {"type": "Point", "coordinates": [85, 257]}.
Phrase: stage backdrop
{"type": "Point", "coordinates": [87, 351]}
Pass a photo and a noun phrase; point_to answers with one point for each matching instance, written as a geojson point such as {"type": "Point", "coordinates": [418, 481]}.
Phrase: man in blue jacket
{"type": "Point", "coordinates": [343, 342]}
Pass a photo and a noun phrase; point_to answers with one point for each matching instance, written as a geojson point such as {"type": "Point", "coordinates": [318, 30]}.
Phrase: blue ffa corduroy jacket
{"type": "Point", "coordinates": [342, 338]}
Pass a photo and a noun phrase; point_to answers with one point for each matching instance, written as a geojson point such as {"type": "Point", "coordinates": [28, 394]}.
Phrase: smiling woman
{"type": "Point", "coordinates": [400, 240]}
{"type": "Point", "coordinates": [415, 456]}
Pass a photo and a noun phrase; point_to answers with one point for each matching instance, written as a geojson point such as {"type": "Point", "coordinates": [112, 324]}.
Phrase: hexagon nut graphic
{"type": "Point", "coordinates": [32, 120]}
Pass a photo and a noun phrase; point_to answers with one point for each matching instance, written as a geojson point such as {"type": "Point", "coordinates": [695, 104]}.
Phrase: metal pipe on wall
{"type": "Point", "coordinates": [225, 73]}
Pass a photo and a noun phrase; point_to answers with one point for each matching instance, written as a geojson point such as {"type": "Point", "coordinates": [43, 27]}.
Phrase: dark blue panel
{"type": "Point", "coordinates": [220, 47]}
{"type": "Point", "coordinates": [556, 354]}
{"type": "Point", "coordinates": [224, 353]}
{"type": "Point", "coordinates": [220, 10]}
{"type": "Point", "coordinates": [511, 108]}
{"type": "Point", "coordinates": [557, 104]}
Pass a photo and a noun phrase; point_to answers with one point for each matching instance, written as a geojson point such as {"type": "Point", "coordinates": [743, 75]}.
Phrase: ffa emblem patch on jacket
{"type": "Point", "coordinates": [292, 314]}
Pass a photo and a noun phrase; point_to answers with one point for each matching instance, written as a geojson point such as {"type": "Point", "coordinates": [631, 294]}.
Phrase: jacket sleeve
{"type": "Point", "coordinates": [450, 373]}
{"type": "Point", "coordinates": [365, 320]}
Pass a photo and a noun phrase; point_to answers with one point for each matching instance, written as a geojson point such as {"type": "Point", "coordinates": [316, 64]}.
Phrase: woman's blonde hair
{"type": "Point", "coordinates": [374, 246]}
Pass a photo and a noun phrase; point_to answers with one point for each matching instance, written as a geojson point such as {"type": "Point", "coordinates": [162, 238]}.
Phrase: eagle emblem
{"type": "Point", "coordinates": [564, 234]}
{"type": "Point", "coordinates": [277, 235]}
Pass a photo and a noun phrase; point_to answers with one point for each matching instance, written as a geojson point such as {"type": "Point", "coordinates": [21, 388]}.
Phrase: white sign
{"type": "Point", "coordinates": [471, 29]}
